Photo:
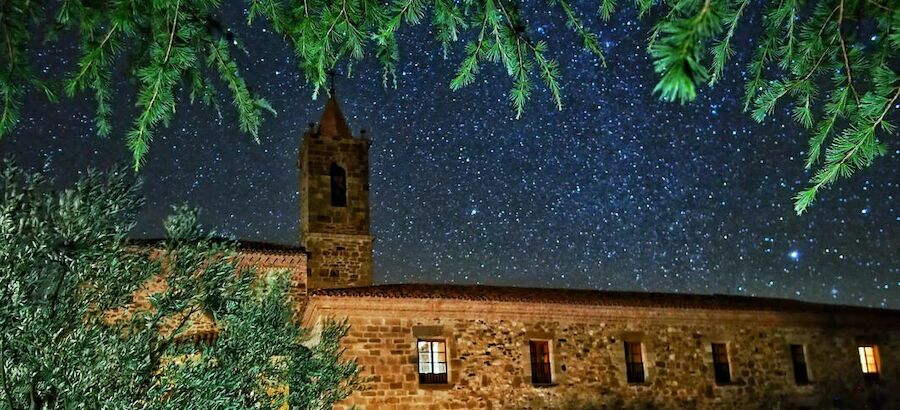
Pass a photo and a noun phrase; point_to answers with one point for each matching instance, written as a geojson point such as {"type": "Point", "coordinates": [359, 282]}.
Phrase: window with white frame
{"type": "Point", "coordinates": [432, 361]}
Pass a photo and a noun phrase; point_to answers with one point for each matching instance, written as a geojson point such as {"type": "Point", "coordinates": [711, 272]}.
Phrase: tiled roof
{"type": "Point", "coordinates": [247, 246]}
{"type": "Point", "coordinates": [269, 247]}
{"type": "Point", "coordinates": [333, 123]}
{"type": "Point", "coordinates": [594, 298]}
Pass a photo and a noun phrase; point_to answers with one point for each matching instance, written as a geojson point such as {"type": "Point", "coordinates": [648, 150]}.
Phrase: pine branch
{"type": "Point", "coordinates": [880, 6]}
{"type": "Point", "coordinates": [11, 95]}
{"type": "Point", "coordinates": [269, 9]}
{"type": "Point", "coordinates": [448, 19]}
{"type": "Point", "coordinates": [521, 65]}
{"type": "Point", "coordinates": [88, 62]}
{"type": "Point", "coordinates": [853, 151]}
{"type": "Point", "coordinates": [139, 137]}
{"type": "Point", "coordinates": [94, 72]}
{"type": "Point", "coordinates": [465, 74]}
{"type": "Point", "coordinates": [787, 51]}
{"type": "Point", "coordinates": [521, 90]}
{"type": "Point", "coordinates": [172, 32]}
{"type": "Point", "coordinates": [765, 102]}
{"type": "Point", "coordinates": [549, 72]}
{"type": "Point", "coordinates": [834, 109]}
{"type": "Point", "coordinates": [9, 46]}
{"type": "Point", "coordinates": [678, 56]}
{"type": "Point", "coordinates": [248, 106]}
{"type": "Point", "coordinates": [756, 66]}
{"type": "Point", "coordinates": [723, 51]}
{"type": "Point", "coordinates": [796, 48]}
{"type": "Point", "coordinates": [840, 36]}
{"type": "Point", "coordinates": [607, 8]}
{"type": "Point", "coordinates": [589, 39]}
{"type": "Point", "coordinates": [409, 11]}
{"type": "Point", "coordinates": [16, 75]}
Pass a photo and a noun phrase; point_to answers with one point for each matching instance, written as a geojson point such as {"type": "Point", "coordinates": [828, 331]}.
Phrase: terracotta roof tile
{"type": "Point", "coordinates": [594, 297]}
{"type": "Point", "coordinates": [333, 123]}
{"type": "Point", "coordinates": [247, 246]}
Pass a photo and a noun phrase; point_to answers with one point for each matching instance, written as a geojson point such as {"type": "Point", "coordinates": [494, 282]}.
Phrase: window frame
{"type": "Point", "coordinates": [868, 356]}
{"type": "Point", "coordinates": [801, 366]}
{"type": "Point", "coordinates": [541, 372]}
{"type": "Point", "coordinates": [432, 377]}
{"type": "Point", "coordinates": [721, 369]}
{"type": "Point", "coordinates": [633, 368]}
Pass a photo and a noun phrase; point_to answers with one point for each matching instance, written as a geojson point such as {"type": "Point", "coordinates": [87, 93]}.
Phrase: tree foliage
{"type": "Point", "coordinates": [65, 265]}
{"type": "Point", "coordinates": [166, 44]}
{"type": "Point", "coordinates": [812, 55]}
{"type": "Point", "coordinates": [808, 53]}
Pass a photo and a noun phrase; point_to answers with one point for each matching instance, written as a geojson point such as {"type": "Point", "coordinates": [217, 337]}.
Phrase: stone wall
{"type": "Point", "coordinates": [317, 155]}
{"type": "Point", "coordinates": [337, 237]}
{"type": "Point", "coordinates": [490, 367]}
{"type": "Point", "coordinates": [339, 260]}
{"type": "Point", "coordinates": [293, 261]}
{"type": "Point", "coordinates": [201, 324]}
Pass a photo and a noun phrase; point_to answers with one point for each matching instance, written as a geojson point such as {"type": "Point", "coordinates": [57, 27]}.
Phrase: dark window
{"type": "Point", "coordinates": [540, 362]}
{"type": "Point", "coordinates": [634, 361]}
{"type": "Point", "coordinates": [338, 186]}
{"type": "Point", "coordinates": [868, 361]}
{"type": "Point", "coordinates": [801, 373]}
{"type": "Point", "coordinates": [720, 363]}
{"type": "Point", "coordinates": [432, 361]}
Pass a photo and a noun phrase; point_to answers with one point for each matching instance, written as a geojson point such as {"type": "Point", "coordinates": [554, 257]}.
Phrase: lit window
{"type": "Point", "coordinates": [634, 362]}
{"type": "Point", "coordinates": [540, 362]}
{"type": "Point", "coordinates": [868, 360]}
{"type": "Point", "coordinates": [432, 361]}
{"type": "Point", "coordinates": [720, 363]}
{"type": "Point", "coordinates": [798, 357]}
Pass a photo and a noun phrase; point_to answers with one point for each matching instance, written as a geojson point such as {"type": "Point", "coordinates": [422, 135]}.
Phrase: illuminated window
{"type": "Point", "coordinates": [798, 357]}
{"type": "Point", "coordinates": [540, 362]}
{"type": "Point", "coordinates": [338, 186]}
{"type": "Point", "coordinates": [720, 363]}
{"type": "Point", "coordinates": [634, 362]}
{"type": "Point", "coordinates": [868, 360]}
{"type": "Point", "coordinates": [432, 361]}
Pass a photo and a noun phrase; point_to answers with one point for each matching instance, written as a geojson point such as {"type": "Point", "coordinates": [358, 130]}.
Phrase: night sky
{"type": "Point", "coordinates": [616, 191]}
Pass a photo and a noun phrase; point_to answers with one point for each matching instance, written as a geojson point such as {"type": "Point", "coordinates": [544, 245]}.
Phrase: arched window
{"type": "Point", "coordinates": [338, 185]}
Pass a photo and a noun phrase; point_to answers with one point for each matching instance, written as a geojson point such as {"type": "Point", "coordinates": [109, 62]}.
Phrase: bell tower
{"type": "Point", "coordinates": [334, 202]}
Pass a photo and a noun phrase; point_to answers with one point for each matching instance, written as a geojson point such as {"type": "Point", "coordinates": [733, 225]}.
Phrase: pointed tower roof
{"type": "Point", "coordinates": [333, 123]}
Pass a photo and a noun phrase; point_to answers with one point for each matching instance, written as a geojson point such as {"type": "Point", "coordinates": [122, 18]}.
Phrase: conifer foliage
{"type": "Point", "coordinates": [16, 75]}
{"type": "Point", "coordinates": [170, 44]}
{"type": "Point", "coordinates": [831, 62]}
{"type": "Point", "coordinates": [65, 265]}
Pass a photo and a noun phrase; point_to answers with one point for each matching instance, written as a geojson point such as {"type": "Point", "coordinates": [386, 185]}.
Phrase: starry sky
{"type": "Point", "coordinates": [616, 191]}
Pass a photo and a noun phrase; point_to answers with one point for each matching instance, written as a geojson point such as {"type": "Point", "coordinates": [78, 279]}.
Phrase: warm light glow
{"type": "Point", "coordinates": [867, 359]}
{"type": "Point", "coordinates": [432, 356]}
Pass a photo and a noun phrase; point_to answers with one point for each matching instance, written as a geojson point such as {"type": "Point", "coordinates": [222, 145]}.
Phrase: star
{"type": "Point", "coordinates": [617, 190]}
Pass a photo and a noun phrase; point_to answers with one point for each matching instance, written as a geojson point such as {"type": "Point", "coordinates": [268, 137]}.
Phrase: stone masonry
{"type": "Point", "coordinates": [487, 332]}
{"type": "Point", "coordinates": [262, 257]}
{"type": "Point", "coordinates": [337, 237]}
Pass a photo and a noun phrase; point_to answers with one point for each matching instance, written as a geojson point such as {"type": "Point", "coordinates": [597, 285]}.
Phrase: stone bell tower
{"type": "Point", "coordinates": [334, 202]}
